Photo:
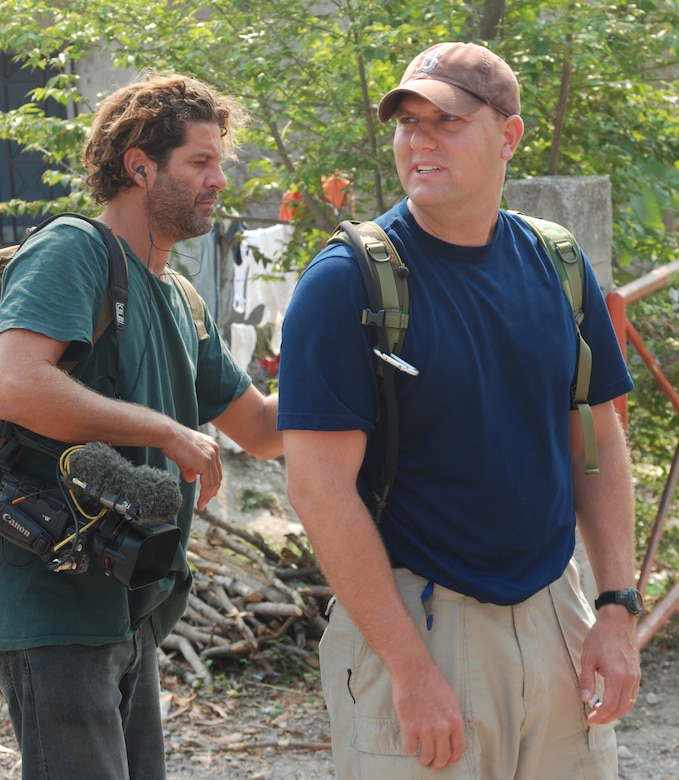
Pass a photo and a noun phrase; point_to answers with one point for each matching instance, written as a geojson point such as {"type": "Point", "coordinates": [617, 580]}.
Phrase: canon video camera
{"type": "Point", "coordinates": [68, 532]}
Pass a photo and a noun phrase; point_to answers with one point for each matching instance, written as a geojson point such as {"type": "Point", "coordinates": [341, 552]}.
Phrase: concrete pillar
{"type": "Point", "coordinates": [583, 205]}
{"type": "Point", "coordinates": [580, 203]}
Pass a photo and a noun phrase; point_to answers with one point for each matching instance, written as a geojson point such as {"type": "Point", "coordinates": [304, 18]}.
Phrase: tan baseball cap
{"type": "Point", "coordinates": [458, 78]}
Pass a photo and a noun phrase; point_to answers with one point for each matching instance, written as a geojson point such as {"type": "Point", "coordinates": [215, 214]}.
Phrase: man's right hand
{"type": "Point", "coordinates": [197, 455]}
{"type": "Point", "coordinates": [429, 716]}
{"type": "Point", "coordinates": [323, 468]}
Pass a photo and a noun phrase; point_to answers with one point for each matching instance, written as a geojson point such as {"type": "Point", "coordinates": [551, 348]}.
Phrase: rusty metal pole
{"type": "Point", "coordinates": [653, 621]}
{"type": "Point", "coordinates": [656, 532]}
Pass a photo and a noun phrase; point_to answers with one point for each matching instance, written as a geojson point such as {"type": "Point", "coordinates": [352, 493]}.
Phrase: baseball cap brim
{"type": "Point", "coordinates": [451, 99]}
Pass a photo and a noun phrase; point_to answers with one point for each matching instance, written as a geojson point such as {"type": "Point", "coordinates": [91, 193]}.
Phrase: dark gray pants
{"type": "Point", "coordinates": [91, 713]}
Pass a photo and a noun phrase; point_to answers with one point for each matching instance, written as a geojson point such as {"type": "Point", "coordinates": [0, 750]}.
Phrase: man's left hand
{"type": "Point", "coordinates": [611, 650]}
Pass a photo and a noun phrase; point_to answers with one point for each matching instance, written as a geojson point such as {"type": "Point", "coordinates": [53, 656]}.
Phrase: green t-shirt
{"type": "Point", "coordinates": [56, 287]}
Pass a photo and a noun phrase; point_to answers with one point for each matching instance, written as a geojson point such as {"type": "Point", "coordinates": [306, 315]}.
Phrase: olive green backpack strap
{"type": "Point", "coordinates": [193, 299]}
{"type": "Point", "coordinates": [385, 279]}
{"type": "Point", "coordinates": [566, 256]}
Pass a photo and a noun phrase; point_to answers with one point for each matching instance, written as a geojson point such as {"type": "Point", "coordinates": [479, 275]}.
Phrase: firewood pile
{"type": "Point", "coordinates": [248, 598]}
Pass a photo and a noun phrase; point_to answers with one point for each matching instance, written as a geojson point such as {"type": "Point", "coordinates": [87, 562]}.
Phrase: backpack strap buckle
{"type": "Point", "coordinates": [566, 251]}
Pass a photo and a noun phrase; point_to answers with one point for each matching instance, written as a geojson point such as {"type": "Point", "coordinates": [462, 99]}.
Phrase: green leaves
{"type": "Point", "coordinates": [312, 74]}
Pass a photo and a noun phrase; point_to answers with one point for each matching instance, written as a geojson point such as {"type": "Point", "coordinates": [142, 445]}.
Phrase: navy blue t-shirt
{"type": "Point", "coordinates": [482, 502]}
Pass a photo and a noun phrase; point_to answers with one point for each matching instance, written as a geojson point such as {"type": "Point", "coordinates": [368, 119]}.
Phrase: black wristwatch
{"type": "Point", "coordinates": [630, 599]}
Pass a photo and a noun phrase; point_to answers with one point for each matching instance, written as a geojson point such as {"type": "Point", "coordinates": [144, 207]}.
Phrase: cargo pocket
{"type": "Point", "coordinates": [376, 734]}
{"type": "Point", "coordinates": [380, 754]}
{"type": "Point", "coordinates": [380, 736]}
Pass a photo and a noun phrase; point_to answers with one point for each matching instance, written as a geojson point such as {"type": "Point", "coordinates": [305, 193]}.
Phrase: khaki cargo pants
{"type": "Point", "coordinates": [514, 669]}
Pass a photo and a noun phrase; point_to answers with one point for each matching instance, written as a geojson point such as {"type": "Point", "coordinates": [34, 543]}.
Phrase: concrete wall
{"type": "Point", "coordinates": [580, 203]}
{"type": "Point", "coordinates": [98, 78]}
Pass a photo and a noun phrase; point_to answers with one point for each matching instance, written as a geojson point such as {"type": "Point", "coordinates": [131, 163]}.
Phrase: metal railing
{"type": "Point", "coordinates": [617, 302]}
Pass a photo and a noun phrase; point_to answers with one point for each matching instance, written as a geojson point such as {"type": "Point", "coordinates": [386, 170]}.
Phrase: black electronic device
{"type": "Point", "coordinates": [102, 509]}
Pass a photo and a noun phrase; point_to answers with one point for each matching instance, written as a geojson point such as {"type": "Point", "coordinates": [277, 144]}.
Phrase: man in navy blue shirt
{"type": "Point", "coordinates": [459, 641]}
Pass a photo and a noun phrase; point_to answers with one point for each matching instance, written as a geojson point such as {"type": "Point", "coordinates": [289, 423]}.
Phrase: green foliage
{"type": "Point", "coordinates": [619, 114]}
{"type": "Point", "coordinates": [595, 76]}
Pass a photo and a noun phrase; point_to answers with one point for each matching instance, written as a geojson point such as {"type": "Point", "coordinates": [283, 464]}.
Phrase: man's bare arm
{"type": "Point", "coordinates": [322, 471]}
{"type": "Point", "coordinates": [36, 394]}
{"type": "Point", "coordinates": [604, 506]}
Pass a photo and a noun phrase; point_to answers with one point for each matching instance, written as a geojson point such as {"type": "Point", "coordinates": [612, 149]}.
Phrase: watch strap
{"type": "Point", "coordinates": [629, 598]}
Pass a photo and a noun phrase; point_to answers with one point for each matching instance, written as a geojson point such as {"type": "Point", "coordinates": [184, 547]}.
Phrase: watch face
{"type": "Point", "coordinates": [631, 598]}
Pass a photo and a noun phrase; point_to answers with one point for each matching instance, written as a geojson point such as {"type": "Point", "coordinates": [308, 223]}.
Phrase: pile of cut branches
{"type": "Point", "coordinates": [247, 601]}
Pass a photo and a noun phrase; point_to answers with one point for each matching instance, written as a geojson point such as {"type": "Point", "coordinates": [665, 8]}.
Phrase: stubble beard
{"type": "Point", "coordinates": [173, 210]}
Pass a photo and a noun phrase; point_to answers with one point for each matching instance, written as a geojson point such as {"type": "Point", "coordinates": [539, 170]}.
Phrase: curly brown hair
{"type": "Point", "coordinates": [152, 114]}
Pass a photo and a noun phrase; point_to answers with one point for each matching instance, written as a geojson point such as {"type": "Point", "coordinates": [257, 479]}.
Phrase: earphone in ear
{"type": "Point", "coordinates": [141, 171]}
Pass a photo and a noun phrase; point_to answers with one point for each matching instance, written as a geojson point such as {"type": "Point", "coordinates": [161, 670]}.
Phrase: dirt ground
{"type": "Point", "coordinates": [255, 727]}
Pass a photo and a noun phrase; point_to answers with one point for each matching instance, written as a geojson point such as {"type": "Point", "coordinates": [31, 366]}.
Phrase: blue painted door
{"type": "Point", "coordinates": [21, 171]}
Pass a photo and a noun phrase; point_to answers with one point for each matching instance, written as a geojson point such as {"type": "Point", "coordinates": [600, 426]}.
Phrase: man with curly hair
{"type": "Point", "coordinates": [78, 663]}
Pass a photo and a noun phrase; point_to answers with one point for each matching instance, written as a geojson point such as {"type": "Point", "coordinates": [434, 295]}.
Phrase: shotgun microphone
{"type": "Point", "coordinates": [143, 493]}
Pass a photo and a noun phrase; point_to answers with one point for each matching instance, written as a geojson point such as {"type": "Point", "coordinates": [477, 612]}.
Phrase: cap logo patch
{"type": "Point", "coordinates": [430, 62]}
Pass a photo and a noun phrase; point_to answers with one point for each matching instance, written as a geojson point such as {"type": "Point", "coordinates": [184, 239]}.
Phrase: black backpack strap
{"type": "Point", "coordinates": [118, 294]}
